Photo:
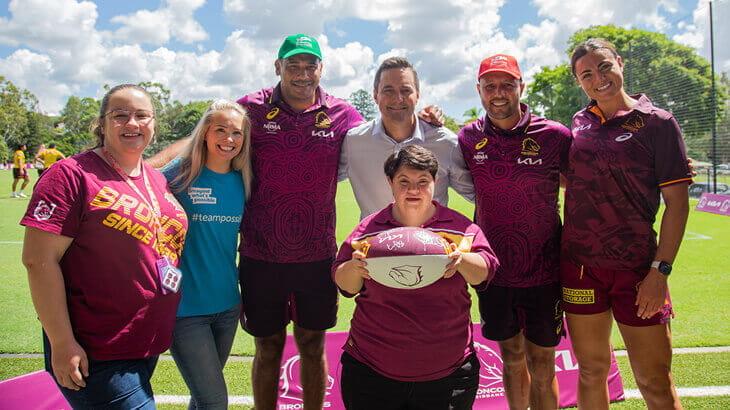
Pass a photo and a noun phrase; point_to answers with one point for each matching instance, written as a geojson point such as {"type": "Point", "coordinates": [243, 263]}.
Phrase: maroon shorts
{"type": "Point", "coordinates": [588, 291]}
{"type": "Point", "coordinates": [534, 310]}
{"type": "Point", "coordinates": [275, 293]}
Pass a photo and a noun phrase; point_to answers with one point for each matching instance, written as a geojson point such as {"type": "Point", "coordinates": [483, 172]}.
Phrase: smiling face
{"type": "Point", "coordinates": [129, 123]}
{"type": "Point", "coordinates": [300, 76]}
{"type": "Point", "coordinates": [223, 139]}
{"type": "Point", "coordinates": [600, 74]}
{"type": "Point", "coordinates": [412, 189]}
{"type": "Point", "coordinates": [500, 94]}
{"type": "Point", "coordinates": [397, 94]}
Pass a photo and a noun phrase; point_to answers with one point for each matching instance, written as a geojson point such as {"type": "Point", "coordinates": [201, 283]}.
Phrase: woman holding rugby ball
{"type": "Point", "coordinates": [625, 154]}
{"type": "Point", "coordinates": [412, 348]}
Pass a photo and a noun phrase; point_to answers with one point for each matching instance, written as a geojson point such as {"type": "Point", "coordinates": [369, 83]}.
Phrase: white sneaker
{"type": "Point", "coordinates": [14, 195]}
{"type": "Point", "coordinates": [22, 195]}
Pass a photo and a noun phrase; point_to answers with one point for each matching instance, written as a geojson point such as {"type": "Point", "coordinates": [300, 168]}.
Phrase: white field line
{"type": "Point", "coordinates": [617, 353]}
{"type": "Point", "coordinates": [706, 391]}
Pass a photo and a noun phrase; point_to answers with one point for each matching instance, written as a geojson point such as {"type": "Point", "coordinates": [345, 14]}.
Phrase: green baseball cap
{"type": "Point", "coordinates": [298, 44]}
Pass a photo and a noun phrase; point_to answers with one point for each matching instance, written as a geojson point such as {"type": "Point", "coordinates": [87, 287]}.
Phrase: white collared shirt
{"type": "Point", "coordinates": [366, 148]}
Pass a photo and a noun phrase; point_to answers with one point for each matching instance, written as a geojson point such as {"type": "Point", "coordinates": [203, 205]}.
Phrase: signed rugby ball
{"type": "Point", "coordinates": [407, 257]}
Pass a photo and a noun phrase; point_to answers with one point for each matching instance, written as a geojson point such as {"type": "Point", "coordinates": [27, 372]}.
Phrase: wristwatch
{"type": "Point", "coordinates": [663, 267]}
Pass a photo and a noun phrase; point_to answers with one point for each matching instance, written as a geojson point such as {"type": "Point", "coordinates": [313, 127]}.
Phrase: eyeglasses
{"type": "Point", "coordinates": [122, 117]}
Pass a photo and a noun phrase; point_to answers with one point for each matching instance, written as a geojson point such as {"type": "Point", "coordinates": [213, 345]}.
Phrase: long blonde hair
{"type": "Point", "coordinates": [194, 156]}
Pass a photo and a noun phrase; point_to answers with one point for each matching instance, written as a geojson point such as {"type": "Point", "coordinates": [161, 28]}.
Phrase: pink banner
{"type": "Point", "coordinates": [490, 394]}
{"type": "Point", "coordinates": [714, 203]}
{"type": "Point", "coordinates": [35, 390]}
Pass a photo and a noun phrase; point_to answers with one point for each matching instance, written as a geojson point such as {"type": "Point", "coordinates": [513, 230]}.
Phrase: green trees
{"type": "Point", "coordinates": [364, 103]}
{"type": "Point", "coordinates": [673, 76]}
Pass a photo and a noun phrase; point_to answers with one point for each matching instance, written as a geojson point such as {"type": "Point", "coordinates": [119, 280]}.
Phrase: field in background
{"type": "Point", "coordinates": [699, 283]}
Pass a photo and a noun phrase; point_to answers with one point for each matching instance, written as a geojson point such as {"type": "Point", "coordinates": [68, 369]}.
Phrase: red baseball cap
{"type": "Point", "coordinates": [500, 62]}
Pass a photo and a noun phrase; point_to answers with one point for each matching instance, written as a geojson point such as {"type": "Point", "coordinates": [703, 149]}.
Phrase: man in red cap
{"type": "Point", "coordinates": [516, 159]}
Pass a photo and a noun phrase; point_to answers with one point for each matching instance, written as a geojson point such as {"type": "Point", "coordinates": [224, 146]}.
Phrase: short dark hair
{"type": "Point", "coordinates": [412, 156]}
{"type": "Point", "coordinates": [394, 62]}
{"type": "Point", "coordinates": [52, 145]}
{"type": "Point", "coordinates": [590, 45]}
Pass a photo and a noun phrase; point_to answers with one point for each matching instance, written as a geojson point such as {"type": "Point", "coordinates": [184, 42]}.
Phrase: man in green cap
{"type": "Point", "coordinates": [288, 226]}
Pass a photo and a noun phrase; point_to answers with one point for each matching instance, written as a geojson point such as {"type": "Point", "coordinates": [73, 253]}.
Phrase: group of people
{"type": "Point", "coordinates": [43, 160]}
{"type": "Point", "coordinates": [124, 262]}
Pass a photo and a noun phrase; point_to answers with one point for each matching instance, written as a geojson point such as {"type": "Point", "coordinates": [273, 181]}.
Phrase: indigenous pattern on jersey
{"type": "Point", "coordinates": [290, 216]}
{"type": "Point", "coordinates": [415, 334]}
{"type": "Point", "coordinates": [517, 179]}
{"type": "Point", "coordinates": [617, 168]}
{"type": "Point", "coordinates": [114, 295]}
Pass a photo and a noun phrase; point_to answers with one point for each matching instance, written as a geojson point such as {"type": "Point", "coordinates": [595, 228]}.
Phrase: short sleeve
{"type": "Point", "coordinates": [56, 203]}
{"type": "Point", "coordinates": [670, 154]}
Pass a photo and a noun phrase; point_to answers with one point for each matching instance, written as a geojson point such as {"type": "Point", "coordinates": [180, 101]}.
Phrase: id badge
{"type": "Point", "coordinates": [170, 276]}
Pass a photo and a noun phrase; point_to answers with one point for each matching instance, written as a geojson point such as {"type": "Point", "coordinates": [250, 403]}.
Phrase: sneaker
{"type": "Point", "coordinates": [13, 195]}
{"type": "Point", "coordinates": [22, 195]}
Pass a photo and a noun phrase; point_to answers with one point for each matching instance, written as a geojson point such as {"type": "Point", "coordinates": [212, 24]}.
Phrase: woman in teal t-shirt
{"type": "Point", "coordinates": [211, 180]}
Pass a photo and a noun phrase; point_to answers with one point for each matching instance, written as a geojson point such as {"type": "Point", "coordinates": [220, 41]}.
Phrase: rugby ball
{"type": "Point", "coordinates": [407, 257]}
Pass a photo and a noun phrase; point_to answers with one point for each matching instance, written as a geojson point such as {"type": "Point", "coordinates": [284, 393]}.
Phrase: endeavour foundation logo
{"type": "Point", "coordinates": [44, 210]}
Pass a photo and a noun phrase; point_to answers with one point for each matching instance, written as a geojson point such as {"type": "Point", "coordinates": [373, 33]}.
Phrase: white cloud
{"type": "Point", "coordinates": [174, 19]}
{"type": "Point", "coordinates": [697, 35]}
{"type": "Point", "coordinates": [60, 51]}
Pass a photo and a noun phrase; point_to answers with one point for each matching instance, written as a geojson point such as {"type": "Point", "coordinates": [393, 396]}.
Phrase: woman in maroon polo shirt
{"type": "Point", "coordinates": [625, 154]}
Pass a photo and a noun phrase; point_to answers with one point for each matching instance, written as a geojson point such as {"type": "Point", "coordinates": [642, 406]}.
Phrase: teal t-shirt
{"type": "Point", "coordinates": [214, 205]}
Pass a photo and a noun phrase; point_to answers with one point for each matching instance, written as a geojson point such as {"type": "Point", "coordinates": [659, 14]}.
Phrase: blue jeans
{"type": "Point", "coordinates": [200, 347]}
{"type": "Point", "coordinates": [112, 384]}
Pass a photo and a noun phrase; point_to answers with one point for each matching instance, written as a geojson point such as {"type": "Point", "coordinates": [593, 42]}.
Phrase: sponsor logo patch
{"type": "Point", "coordinates": [481, 143]}
{"type": "Point", "coordinates": [579, 296]}
{"type": "Point", "coordinates": [624, 137]}
{"type": "Point", "coordinates": [273, 113]}
{"type": "Point", "coordinates": [480, 157]}
{"type": "Point", "coordinates": [271, 127]}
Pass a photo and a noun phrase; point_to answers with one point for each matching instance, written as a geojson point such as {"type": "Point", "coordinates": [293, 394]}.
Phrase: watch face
{"type": "Point", "coordinates": [665, 268]}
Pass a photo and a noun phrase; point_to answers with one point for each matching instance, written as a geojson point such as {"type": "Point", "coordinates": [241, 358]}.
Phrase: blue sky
{"type": "Point", "coordinates": [225, 48]}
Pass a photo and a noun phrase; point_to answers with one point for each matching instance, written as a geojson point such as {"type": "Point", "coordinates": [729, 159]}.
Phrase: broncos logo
{"type": "Point", "coordinates": [491, 366]}
{"type": "Point", "coordinates": [530, 147]}
{"type": "Point", "coordinates": [321, 120]}
{"type": "Point", "coordinates": [407, 275]}
{"type": "Point", "coordinates": [289, 373]}
{"type": "Point", "coordinates": [633, 123]}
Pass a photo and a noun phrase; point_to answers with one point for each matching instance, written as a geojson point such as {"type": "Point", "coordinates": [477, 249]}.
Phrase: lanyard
{"type": "Point", "coordinates": [154, 206]}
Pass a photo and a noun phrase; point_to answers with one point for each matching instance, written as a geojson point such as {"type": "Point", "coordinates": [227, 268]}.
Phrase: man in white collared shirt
{"type": "Point", "coordinates": [365, 148]}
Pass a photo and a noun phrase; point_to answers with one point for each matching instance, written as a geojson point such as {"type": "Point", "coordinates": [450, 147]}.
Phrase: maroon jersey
{"type": "Point", "coordinates": [290, 216]}
{"type": "Point", "coordinates": [517, 180]}
{"type": "Point", "coordinates": [617, 168]}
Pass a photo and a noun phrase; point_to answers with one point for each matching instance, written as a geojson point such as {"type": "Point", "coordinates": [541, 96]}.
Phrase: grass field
{"type": "Point", "coordinates": [699, 283]}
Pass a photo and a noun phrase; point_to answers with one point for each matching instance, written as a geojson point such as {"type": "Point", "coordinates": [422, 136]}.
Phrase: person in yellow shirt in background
{"type": "Point", "coordinates": [19, 172]}
{"type": "Point", "coordinates": [49, 157]}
